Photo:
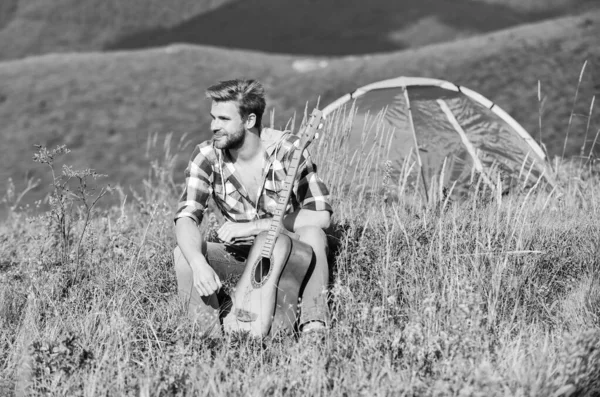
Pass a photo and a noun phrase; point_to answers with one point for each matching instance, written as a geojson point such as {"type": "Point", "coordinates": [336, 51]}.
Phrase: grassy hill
{"type": "Point", "coordinates": [332, 27]}
{"type": "Point", "coordinates": [105, 106]}
{"type": "Point", "coordinates": [30, 27]}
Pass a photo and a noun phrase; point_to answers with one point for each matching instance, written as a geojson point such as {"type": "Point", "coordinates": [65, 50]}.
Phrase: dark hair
{"type": "Point", "coordinates": [249, 95]}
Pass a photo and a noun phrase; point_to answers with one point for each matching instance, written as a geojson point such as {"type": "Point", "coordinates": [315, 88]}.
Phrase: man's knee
{"type": "Point", "coordinates": [313, 236]}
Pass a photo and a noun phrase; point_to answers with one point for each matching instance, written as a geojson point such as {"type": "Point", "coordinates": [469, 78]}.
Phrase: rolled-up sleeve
{"type": "Point", "coordinates": [312, 193]}
{"type": "Point", "coordinates": [194, 198]}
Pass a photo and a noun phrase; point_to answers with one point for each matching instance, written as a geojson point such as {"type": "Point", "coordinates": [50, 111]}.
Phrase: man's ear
{"type": "Point", "coordinates": [250, 121]}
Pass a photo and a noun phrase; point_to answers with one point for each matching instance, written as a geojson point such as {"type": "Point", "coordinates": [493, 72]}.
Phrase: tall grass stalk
{"type": "Point", "coordinates": [573, 109]}
{"type": "Point", "coordinates": [587, 127]}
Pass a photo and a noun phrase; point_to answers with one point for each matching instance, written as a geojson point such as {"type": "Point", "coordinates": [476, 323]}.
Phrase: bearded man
{"type": "Point", "coordinates": [243, 168]}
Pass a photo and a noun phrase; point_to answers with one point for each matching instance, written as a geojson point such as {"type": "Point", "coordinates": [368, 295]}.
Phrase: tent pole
{"type": "Point", "coordinates": [465, 140]}
{"type": "Point", "coordinates": [414, 133]}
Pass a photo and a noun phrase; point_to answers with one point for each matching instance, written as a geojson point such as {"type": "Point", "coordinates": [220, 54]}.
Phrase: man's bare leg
{"type": "Point", "coordinates": [315, 312]}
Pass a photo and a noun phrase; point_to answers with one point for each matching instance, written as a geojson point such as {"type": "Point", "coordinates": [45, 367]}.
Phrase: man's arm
{"type": "Point", "coordinates": [230, 231]}
{"type": "Point", "coordinates": [190, 242]}
{"type": "Point", "coordinates": [313, 196]}
{"type": "Point", "coordinates": [189, 215]}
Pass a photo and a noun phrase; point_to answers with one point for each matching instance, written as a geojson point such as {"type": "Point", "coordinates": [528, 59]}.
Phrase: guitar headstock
{"type": "Point", "coordinates": [309, 130]}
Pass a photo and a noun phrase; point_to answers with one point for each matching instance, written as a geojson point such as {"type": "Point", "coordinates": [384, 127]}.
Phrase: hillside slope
{"type": "Point", "coordinates": [331, 27]}
{"type": "Point", "coordinates": [104, 106]}
{"type": "Point", "coordinates": [33, 27]}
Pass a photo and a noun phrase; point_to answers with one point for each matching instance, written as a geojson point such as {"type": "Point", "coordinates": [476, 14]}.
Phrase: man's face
{"type": "Point", "coordinates": [227, 125]}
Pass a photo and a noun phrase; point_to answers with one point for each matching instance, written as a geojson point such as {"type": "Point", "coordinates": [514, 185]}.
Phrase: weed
{"type": "Point", "coordinates": [55, 360]}
{"type": "Point", "coordinates": [63, 198]}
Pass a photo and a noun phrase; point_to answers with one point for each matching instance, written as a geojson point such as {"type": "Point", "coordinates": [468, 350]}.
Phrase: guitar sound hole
{"type": "Point", "coordinates": [262, 270]}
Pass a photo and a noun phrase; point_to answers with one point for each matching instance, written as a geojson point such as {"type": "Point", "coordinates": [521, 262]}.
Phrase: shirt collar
{"type": "Point", "coordinates": [271, 140]}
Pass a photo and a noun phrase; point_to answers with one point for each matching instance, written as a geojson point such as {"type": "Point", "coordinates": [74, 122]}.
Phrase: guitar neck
{"type": "Point", "coordinates": [276, 226]}
{"type": "Point", "coordinates": [277, 220]}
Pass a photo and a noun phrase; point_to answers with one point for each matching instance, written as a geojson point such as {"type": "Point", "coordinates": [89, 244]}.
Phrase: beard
{"type": "Point", "coordinates": [230, 140]}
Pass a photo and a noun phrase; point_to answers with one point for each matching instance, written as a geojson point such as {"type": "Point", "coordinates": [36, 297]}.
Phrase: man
{"type": "Point", "coordinates": [243, 167]}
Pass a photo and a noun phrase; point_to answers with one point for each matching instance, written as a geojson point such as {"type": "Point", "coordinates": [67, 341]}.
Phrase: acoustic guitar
{"type": "Point", "coordinates": [265, 299]}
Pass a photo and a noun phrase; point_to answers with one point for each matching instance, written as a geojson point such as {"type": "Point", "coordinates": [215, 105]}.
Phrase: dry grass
{"type": "Point", "coordinates": [492, 296]}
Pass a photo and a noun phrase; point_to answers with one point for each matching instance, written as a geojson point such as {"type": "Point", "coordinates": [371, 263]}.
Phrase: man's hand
{"type": "Point", "coordinates": [231, 231]}
{"type": "Point", "coordinates": [206, 281]}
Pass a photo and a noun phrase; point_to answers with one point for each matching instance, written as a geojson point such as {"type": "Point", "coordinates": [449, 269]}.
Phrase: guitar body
{"type": "Point", "coordinates": [265, 299]}
{"type": "Point", "coordinates": [288, 291]}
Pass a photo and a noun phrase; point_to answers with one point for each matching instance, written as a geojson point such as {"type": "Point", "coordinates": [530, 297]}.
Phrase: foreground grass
{"type": "Point", "coordinates": [490, 296]}
{"type": "Point", "coordinates": [497, 299]}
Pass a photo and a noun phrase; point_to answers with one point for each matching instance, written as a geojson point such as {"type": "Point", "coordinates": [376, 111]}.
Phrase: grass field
{"type": "Point", "coordinates": [494, 296]}
{"type": "Point", "coordinates": [104, 106]}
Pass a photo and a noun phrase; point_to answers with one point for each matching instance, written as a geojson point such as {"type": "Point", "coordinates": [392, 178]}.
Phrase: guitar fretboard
{"type": "Point", "coordinates": [275, 227]}
{"type": "Point", "coordinates": [277, 220]}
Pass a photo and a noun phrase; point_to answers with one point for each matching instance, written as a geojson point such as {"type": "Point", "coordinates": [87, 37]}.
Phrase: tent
{"type": "Point", "coordinates": [462, 137]}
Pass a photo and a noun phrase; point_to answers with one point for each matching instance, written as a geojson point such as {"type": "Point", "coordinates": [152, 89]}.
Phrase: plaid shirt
{"type": "Point", "coordinates": [210, 172]}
